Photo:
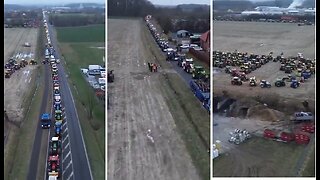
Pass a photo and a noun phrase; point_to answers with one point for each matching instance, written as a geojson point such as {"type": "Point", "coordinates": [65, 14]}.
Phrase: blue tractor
{"type": "Point", "coordinates": [58, 128]}
{"type": "Point", "coordinates": [294, 84]}
{"type": "Point", "coordinates": [45, 120]}
{"type": "Point", "coordinates": [306, 74]}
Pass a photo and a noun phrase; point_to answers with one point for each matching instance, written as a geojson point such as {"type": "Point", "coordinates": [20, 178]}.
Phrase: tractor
{"type": "Point", "coordinates": [33, 62]}
{"type": "Point", "coordinates": [181, 60]}
{"type": "Point", "coordinates": [58, 115]}
{"type": "Point", "coordinates": [110, 76]}
{"type": "Point", "coordinates": [280, 82]}
{"type": "Point", "coordinates": [198, 72]}
{"type": "Point", "coordinates": [58, 128]}
{"type": "Point", "coordinates": [55, 146]}
{"type": "Point", "coordinates": [252, 81]}
{"type": "Point", "coordinates": [236, 81]}
{"type": "Point", "coordinates": [288, 69]}
{"type": "Point", "coordinates": [294, 84]}
{"type": "Point", "coordinates": [282, 67]}
{"type": "Point", "coordinates": [7, 74]}
{"type": "Point", "coordinates": [187, 65]}
{"type": "Point", "coordinates": [57, 107]}
{"type": "Point", "coordinates": [54, 164]}
{"type": "Point", "coordinates": [265, 84]}
{"type": "Point", "coordinates": [56, 92]}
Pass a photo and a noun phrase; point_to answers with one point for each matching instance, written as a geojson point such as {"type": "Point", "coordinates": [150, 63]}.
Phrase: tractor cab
{"type": "Point", "coordinates": [56, 92]}
{"type": "Point", "coordinates": [57, 107]}
{"type": "Point", "coordinates": [265, 84]}
{"type": "Point", "coordinates": [198, 72]}
{"type": "Point", "coordinates": [252, 81]}
{"type": "Point", "coordinates": [53, 164]}
{"type": "Point", "coordinates": [57, 99]}
{"type": "Point", "coordinates": [58, 128]}
{"type": "Point", "coordinates": [58, 115]}
{"type": "Point", "coordinates": [280, 82]}
{"type": "Point", "coordinates": [55, 146]}
{"type": "Point", "coordinates": [295, 83]}
{"type": "Point", "coordinates": [187, 65]}
{"type": "Point", "coordinates": [236, 81]}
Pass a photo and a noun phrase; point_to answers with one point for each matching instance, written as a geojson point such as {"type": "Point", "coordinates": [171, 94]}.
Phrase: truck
{"type": "Point", "coordinates": [45, 120]}
{"type": "Point", "coordinates": [200, 89]}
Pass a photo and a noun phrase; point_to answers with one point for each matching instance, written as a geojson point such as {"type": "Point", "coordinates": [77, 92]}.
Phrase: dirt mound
{"type": "Point", "coordinates": [264, 113]}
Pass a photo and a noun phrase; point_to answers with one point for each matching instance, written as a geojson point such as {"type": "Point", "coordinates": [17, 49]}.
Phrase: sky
{"type": "Point", "coordinates": [29, 2]}
{"type": "Point", "coordinates": [176, 2]}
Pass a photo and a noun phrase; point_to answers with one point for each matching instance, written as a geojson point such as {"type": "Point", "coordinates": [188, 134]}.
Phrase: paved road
{"type": "Point", "coordinates": [33, 165]}
{"type": "Point", "coordinates": [79, 155]}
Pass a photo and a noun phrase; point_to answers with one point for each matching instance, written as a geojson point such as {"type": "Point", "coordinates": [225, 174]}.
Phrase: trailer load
{"type": "Point", "coordinates": [200, 89]}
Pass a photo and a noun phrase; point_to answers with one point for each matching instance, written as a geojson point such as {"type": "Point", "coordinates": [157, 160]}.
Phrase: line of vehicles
{"type": "Point", "coordinates": [200, 83]}
{"type": "Point", "coordinates": [55, 144]}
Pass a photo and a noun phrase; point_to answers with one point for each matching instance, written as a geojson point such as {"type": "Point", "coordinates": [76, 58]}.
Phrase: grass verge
{"type": "Point", "coordinates": [188, 114]}
{"type": "Point", "coordinates": [19, 150]}
{"type": "Point", "coordinates": [76, 56]}
{"type": "Point", "coordinates": [309, 170]}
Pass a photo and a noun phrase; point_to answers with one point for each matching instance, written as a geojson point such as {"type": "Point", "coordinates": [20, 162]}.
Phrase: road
{"type": "Point", "coordinates": [80, 160]}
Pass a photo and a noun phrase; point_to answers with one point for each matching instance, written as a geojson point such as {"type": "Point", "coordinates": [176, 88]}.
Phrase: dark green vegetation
{"type": "Point", "coordinates": [77, 19]}
{"type": "Point", "coordinates": [196, 17]}
{"type": "Point", "coordinates": [78, 51]}
{"type": "Point", "coordinates": [94, 33]}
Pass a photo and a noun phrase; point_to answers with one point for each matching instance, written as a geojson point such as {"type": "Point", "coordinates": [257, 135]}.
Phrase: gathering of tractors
{"type": "Point", "coordinates": [239, 65]}
{"type": "Point", "coordinates": [14, 65]}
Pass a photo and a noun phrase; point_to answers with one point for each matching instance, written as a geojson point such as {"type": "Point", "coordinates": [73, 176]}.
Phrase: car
{"type": "Point", "coordinates": [184, 46]}
{"type": "Point", "coordinates": [45, 120]}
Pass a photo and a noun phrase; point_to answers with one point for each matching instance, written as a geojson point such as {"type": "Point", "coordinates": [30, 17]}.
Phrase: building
{"type": "Point", "coordinates": [205, 41]}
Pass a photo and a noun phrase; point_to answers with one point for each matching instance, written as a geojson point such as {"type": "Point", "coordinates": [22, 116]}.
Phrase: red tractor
{"type": "Point", "coordinates": [54, 165]}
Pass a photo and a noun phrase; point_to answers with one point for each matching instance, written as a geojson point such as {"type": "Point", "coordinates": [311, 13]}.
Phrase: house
{"type": "Point", "coordinates": [205, 41]}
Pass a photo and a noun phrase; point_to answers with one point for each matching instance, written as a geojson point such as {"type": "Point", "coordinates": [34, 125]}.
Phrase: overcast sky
{"type": "Point", "coordinates": [176, 2]}
{"type": "Point", "coordinates": [23, 2]}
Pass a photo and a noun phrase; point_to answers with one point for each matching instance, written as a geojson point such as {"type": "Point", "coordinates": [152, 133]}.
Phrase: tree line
{"type": "Point", "coordinates": [194, 18]}
{"type": "Point", "coordinates": [76, 19]}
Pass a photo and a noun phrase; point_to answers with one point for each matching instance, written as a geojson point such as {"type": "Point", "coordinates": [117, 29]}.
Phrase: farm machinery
{"type": "Point", "coordinates": [110, 76]}
{"type": "Point", "coordinates": [58, 128]}
{"type": "Point", "coordinates": [54, 165]}
{"type": "Point", "coordinates": [265, 84]}
{"type": "Point", "coordinates": [280, 83]}
{"type": "Point", "coordinates": [239, 136]}
{"type": "Point", "coordinates": [253, 81]}
{"type": "Point", "coordinates": [187, 65]}
{"type": "Point", "coordinates": [198, 72]}
{"type": "Point", "coordinates": [55, 146]}
{"type": "Point", "coordinates": [236, 81]}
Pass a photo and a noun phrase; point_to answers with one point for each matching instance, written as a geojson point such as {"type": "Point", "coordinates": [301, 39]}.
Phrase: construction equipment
{"type": "Point", "coordinates": [45, 120]}
{"type": "Point", "coordinates": [265, 84]}
{"type": "Point", "coordinates": [110, 76]}
{"type": "Point", "coordinates": [236, 81]}
{"type": "Point", "coordinates": [280, 83]}
{"type": "Point", "coordinates": [253, 81]}
{"type": "Point", "coordinates": [198, 72]}
{"type": "Point", "coordinates": [55, 146]}
{"type": "Point", "coordinates": [294, 83]}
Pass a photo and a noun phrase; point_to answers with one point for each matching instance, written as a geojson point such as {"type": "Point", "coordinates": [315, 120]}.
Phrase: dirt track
{"type": "Point", "coordinates": [15, 88]}
{"type": "Point", "coordinates": [136, 106]}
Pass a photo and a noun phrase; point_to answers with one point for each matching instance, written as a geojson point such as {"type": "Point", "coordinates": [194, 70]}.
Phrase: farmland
{"type": "Point", "coordinates": [79, 48]}
{"type": "Point", "coordinates": [258, 156]}
{"type": "Point", "coordinates": [141, 100]}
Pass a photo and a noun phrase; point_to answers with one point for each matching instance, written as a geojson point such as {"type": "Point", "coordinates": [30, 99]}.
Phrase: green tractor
{"type": "Point", "coordinates": [280, 82]}
{"type": "Point", "coordinates": [198, 72]}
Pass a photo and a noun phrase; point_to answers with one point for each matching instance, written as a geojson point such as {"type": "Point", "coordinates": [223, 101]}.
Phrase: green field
{"type": "Point", "coordinates": [78, 47]}
{"type": "Point", "coordinates": [92, 33]}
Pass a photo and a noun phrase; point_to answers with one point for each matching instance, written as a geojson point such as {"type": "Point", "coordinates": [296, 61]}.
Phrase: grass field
{"type": "Point", "coordinates": [78, 52]}
{"type": "Point", "coordinates": [94, 33]}
{"type": "Point", "coordinates": [191, 119]}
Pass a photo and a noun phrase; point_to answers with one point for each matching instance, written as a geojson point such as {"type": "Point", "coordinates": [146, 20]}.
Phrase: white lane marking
{"type": "Point", "coordinates": [70, 175]}
{"type": "Point", "coordinates": [66, 156]}
{"type": "Point", "coordinates": [66, 147]}
{"type": "Point", "coordinates": [64, 124]}
{"type": "Point", "coordinates": [65, 138]}
{"type": "Point", "coordinates": [65, 129]}
{"type": "Point", "coordinates": [67, 167]}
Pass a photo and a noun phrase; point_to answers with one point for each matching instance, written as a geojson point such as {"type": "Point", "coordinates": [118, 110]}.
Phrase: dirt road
{"type": "Point", "coordinates": [137, 105]}
{"type": "Point", "coordinates": [262, 37]}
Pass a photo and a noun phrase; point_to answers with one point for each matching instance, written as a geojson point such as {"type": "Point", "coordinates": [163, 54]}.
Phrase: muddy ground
{"type": "Point", "coordinates": [16, 87]}
{"type": "Point", "coordinates": [261, 38]}
{"type": "Point", "coordinates": [136, 105]}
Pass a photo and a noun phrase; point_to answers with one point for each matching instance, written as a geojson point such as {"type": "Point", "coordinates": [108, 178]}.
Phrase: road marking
{"type": "Point", "coordinates": [65, 138]}
{"type": "Point", "coordinates": [67, 167]}
{"type": "Point", "coordinates": [66, 156]}
{"type": "Point", "coordinates": [66, 147]}
{"type": "Point", "coordinates": [70, 175]}
{"type": "Point", "coordinates": [65, 130]}
{"type": "Point", "coordinates": [29, 79]}
{"type": "Point", "coordinates": [64, 124]}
